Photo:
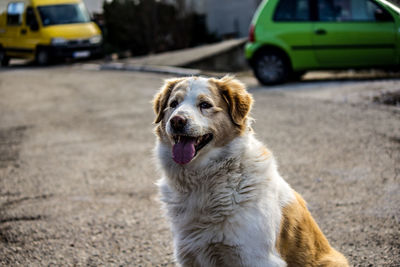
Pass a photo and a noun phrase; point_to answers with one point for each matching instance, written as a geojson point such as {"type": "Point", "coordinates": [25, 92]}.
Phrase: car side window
{"type": "Point", "coordinates": [351, 10]}
{"type": "Point", "coordinates": [292, 10]}
{"type": "Point", "coordinates": [14, 13]}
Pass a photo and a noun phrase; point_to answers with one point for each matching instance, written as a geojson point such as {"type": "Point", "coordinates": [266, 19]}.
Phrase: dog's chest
{"type": "Point", "coordinates": [205, 205]}
{"type": "Point", "coordinates": [213, 199]}
{"type": "Point", "coordinates": [211, 196]}
{"type": "Point", "coordinates": [235, 211]}
{"type": "Point", "coordinates": [220, 223]}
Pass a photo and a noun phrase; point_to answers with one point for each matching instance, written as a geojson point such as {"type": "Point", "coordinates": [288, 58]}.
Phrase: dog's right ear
{"type": "Point", "coordinates": [161, 98]}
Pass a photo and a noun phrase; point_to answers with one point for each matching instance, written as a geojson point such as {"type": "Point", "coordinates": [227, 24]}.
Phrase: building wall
{"type": "Point", "coordinates": [94, 6]}
{"type": "Point", "coordinates": [230, 18]}
{"type": "Point", "coordinates": [226, 18]}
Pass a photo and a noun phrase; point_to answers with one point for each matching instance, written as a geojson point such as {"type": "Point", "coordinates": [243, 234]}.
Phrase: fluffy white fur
{"type": "Point", "coordinates": [228, 199]}
{"type": "Point", "coordinates": [225, 206]}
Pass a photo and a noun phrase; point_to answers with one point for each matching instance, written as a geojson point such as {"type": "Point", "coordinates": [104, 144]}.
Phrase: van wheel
{"type": "Point", "coordinates": [42, 57]}
{"type": "Point", "coordinates": [271, 67]}
{"type": "Point", "coordinates": [4, 60]}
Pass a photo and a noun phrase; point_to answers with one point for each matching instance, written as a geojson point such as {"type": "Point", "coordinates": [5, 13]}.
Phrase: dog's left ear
{"type": "Point", "coordinates": [161, 98]}
{"type": "Point", "coordinates": [239, 100]}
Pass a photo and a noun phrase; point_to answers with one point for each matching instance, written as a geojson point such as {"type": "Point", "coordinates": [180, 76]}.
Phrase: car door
{"type": "Point", "coordinates": [292, 29]}
{"type": "Point", "coordinates": [353, 33]}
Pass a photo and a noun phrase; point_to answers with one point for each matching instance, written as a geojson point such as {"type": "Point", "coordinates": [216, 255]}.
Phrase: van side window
{"type": "Point", "coordinates": [14, 13]}
{"type": "Point", "coordinates": [292, 10]}
{"type": "Point", "coordinates": [351, 10]}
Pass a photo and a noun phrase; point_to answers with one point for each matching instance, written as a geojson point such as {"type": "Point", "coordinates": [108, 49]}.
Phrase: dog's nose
{"type": "Point", "coordinates": [178, 123]}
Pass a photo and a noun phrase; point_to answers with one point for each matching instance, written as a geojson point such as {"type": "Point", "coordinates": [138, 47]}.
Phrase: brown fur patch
{"type": "Point", "coordinates": [265, 153]}
{"type": "Point", "coordinates": [224, 128]}
{"type": "Point", "coordinates": [160, 102]}
{"type": "Point", "coordinates": [301, 242]}
{"type": "Point", "coordinates": [161, 98]}
{"type": "Point", "coordinates": [238, 100]}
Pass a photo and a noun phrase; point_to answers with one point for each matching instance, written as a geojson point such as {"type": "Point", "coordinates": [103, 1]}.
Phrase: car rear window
{"type": "Point", "coordinates": [292, 10]}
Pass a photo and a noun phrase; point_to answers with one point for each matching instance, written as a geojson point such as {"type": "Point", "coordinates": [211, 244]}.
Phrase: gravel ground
{"type": "Point", "coordinates": [77, 176]}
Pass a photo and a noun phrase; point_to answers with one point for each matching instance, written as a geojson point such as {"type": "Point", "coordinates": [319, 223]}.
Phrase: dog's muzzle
{"type": "Point", "coordinates": [186, 146]}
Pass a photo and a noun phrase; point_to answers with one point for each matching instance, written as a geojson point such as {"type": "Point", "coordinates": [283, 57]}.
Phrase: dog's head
{"type": "Point", "coordinates": [197, 114]}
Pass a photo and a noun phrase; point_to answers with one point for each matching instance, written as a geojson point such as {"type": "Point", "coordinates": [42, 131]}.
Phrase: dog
{"type": "Point", "coordinates": [221, 190]}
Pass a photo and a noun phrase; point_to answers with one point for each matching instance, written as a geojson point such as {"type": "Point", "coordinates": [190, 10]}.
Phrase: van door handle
{"type": "Point", "coordinates": [320, 32]}
{"type": "Point", "coordinates": [23, 31]}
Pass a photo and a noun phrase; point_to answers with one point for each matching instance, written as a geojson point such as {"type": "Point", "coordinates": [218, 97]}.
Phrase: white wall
{"type": "Point", "coordinates": [94, 6]}
{"type": "Point", "coordinates": [230, 16]}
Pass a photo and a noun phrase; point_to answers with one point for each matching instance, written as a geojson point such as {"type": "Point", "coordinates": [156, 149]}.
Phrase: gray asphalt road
{"type": "Point", "coordinates": [77, 176]}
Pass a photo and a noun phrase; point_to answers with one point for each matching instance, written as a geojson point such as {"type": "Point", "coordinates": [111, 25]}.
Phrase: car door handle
{"type": "Point", "coordinates": [23, 31]}
{"type": "Point", "coordinates": [320, 32]}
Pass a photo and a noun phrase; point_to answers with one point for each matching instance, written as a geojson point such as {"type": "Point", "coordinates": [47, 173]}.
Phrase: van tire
{"type": "Point", "coordinates": [271, 67]}
{"type": "Point", "coordinates": [42, 57]}
{"type": "Point", "coordinates": [4, 60]}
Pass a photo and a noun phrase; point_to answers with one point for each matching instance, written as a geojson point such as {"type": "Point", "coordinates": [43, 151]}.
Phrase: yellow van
{"type": "Point", "coordinates": [46, 30]}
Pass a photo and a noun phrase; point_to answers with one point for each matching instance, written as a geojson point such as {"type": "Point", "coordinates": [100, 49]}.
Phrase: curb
{"type": "Point", "coordinates": [151, 69]}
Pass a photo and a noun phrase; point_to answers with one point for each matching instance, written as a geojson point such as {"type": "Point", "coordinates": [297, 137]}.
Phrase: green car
{"type": "Point", "coordinates": [289, 37]}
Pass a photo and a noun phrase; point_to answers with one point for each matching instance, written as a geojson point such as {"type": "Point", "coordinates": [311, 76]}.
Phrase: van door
{"type": "Point", "coordinates": [353, 33]}
{"type": "Point", "coordinates": [15, 20]}
{"type": "Point", "coordinates": [29, 35]}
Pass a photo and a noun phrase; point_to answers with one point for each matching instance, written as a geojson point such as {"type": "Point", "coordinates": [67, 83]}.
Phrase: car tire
{"type": "Point", "coordinates": [271, 67]}
{"type": "Point", "coordinates": [42, 57]}
{"type": "Point", "coordinates": [4, 60]}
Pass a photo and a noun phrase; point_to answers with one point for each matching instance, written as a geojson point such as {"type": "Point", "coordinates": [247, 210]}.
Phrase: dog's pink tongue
{"type": "Point", "coordinates": [184, 151]}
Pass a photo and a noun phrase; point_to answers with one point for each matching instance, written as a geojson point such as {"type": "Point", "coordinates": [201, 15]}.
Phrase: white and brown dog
{"type": "Point", "coordinates": [226, 201]}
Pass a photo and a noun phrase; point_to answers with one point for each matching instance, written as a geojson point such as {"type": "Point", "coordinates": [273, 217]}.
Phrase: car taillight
{"type": "Point", "coordinates": [251, 34]}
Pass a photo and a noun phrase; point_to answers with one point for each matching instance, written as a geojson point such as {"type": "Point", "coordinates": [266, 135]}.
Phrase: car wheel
{"type": "Point", "coordinates": [4, 60]}
{"type": "Point", "coordinates": [271, 67]}
{"type": "Point", "coordinates": [42, 57]}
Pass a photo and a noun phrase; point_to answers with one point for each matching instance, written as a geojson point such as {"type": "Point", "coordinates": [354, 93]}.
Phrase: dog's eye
{"type": "Point", "coordinates": [173, 104]}
{"type": "Point", "coordinates": [205, 105]}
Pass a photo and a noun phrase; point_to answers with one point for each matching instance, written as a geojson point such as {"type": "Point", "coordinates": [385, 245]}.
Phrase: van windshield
{"type": "Point", "coordinates": [63, 14]}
